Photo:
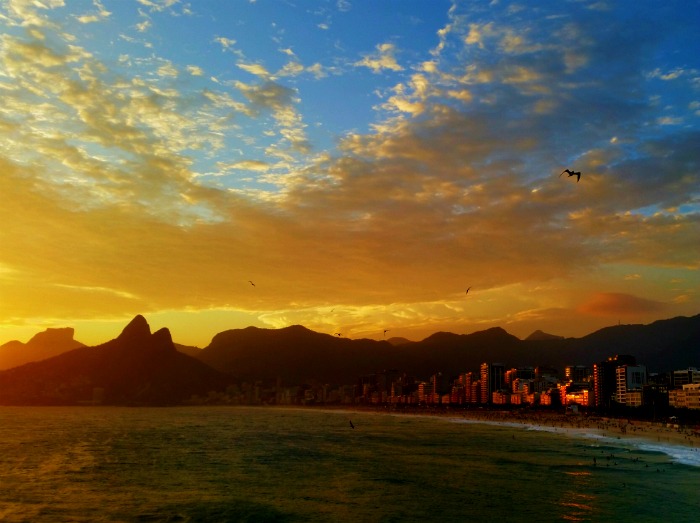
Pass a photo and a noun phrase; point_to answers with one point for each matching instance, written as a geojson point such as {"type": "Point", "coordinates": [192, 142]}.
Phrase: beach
{"type": "Point", "coordinates": [682, 444]}
{"type": "Point", "coordinates": [653, 432]}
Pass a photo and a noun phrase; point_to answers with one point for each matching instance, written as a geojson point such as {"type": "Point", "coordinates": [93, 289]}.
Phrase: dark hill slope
{"type": "Point", "coordinates": [46, 344]}
{"type": "Point", "coordinates": [296, 354]}
{"type": "Point", "coordinates": [135, 368]}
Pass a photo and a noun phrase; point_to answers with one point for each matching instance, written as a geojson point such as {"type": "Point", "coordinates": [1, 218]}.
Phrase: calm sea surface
{"type": "Point", "coordinates": [258, 464]}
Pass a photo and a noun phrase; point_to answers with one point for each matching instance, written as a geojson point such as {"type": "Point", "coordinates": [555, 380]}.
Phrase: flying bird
{"type": "Point", "coordinates": [338, 334]}
{"type": "Point", "coordinates": [251, 283]}
{"type": "Point", "coordinates": [467, 290]}
{"type": "Point", "coordinates": [572, 173]}
{"type": "Point", "coordinates": [351, 425]}
{"type": "Point", "coordinates": [385, 331]}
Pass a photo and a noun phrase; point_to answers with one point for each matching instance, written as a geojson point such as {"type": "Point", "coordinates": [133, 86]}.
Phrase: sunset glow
{"type": "Point", "coordinates": [362, 162]}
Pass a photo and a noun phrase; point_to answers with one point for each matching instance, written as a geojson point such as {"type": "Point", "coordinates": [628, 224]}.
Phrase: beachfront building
{"type": "Point", "coordinates": [462, 389]}
{"type": "Point", "coordinates": [575, 394]}
{"type": "Point", "coordinates": [683, 377]}
{"type": "Point", "coordinates": [476, 392]}
{"type": "Point", "coordinates": [630, 380]}
{"type": "Point", "coordinates": [492, 380]}
{"type": "Point", "coordinates": [577, 373]}
{"type": "Point", "coordinates": [687, 397]}
{"type": "Point", "coordinates": [605, 379]}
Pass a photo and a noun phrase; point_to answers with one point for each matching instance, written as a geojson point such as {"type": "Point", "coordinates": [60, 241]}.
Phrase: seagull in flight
{"type": "Point", "coordinates": [338, 334]}
{"type": "Point", "coordinates": [251, 283]}
{"type": "Point", "coordinates": [467, 290]}
{"type": "Point", "coordinates": [572, 173]}
{"type": "Point", "coordinates": [385, 331]}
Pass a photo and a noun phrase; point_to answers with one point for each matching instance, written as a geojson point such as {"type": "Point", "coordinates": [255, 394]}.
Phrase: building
{"type": "Point", "coordinates": [492, 380]}
{"type": "Point", "coordinates": [605, 379]}
{"type": "Point", "coordinates": [687, 397]}
{"type": "Point", "coordinates": [683, 377]}
{"type": "Point", "coordinates": [577, 373]}
{"type": "Point", "coordinates": [630, 379]}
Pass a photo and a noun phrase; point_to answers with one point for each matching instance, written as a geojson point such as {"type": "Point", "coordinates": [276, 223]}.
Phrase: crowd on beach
{"type": "Point", "coordinates": [663, 431]}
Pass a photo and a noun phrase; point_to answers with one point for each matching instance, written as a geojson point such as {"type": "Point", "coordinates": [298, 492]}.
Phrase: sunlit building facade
{"type": "Point", "coordinates": [492, 380]}
{"type": "Point", "coordinates": [630, 380]}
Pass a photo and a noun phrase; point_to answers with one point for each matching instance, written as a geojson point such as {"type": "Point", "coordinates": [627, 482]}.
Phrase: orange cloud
{"type": "Point", "coordinates": [615, 303]}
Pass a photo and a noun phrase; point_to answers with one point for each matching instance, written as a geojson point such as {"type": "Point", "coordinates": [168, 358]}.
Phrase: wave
{"type": "Point", "coordinates": [680, 454]}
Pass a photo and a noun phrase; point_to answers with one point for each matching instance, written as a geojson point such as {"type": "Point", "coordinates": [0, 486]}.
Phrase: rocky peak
{"type": "Point", "coordinates": [137, 329]}
{"type": "Point", "coordinates": [162, 340]}
{"type": "Point", "coordinates": [53, 336]}
{"type": "Point", "coordinates": [539, 335]}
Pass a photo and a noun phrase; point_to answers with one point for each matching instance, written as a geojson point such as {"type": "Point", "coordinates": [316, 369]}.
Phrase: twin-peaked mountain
{"type": "Point", "coordinates": [139, 367]}
{"type": "Point", "coordinates": [136, 368]}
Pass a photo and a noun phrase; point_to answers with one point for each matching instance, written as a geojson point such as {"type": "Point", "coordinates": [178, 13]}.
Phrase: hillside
{"type": "Point", "coordinates": [143, 368]}
{"type": "Point", "coordinates": [296, 354]}
{"type": "Point", "coordinates": [46, 344]}
{"type": "Point", "coordinates": [136, 368]}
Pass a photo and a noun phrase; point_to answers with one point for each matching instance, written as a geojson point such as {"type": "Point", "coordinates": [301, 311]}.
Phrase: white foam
{"type": "Point", "coordinates": [685, 455]}
{"type": "Point", "coordinates": [678, 453]}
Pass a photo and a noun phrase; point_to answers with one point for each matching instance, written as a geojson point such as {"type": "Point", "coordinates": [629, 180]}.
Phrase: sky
{"type": "Point", "coordinates": [352, 166]}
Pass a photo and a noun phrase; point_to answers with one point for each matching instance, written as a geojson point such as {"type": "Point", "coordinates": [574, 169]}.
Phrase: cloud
{"type": "Point", "coordinates": [247, 165]}
{"type": "Point", "coordinates": [226, 44]}
{"type": "Point", "coordinates": [255, 69]}
{"type": "Point", "coordinates": [382, 59]}
{"type": "Point", "coordinates": [612, 303]}
{"type": "Point", "coordinates": [100, 15]}
{"type": "Point", "coordinates": [107, 178]}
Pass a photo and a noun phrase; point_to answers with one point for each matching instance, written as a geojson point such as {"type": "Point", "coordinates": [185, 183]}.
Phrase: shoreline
{"type": "Point", "coordinates": [659, 433]}
{"type": "Point", "coordinates": [600, 426]}
{"type": "Point", "coordinates": [679, 445]}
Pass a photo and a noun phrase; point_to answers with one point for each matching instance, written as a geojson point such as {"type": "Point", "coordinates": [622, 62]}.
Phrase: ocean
{"type": "Point", "coordinates": [224, 464]}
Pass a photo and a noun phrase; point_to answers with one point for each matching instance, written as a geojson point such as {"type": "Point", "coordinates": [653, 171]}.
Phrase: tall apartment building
{"type": "Point", "coordinates": [476, 392]}
{"type": "Point", "coordinates": [492, 379]}
{"type": "Point", "coordinates": [605, 379]}
{"type": "Point", "coordinates": [577, 373]}
{"type": "Point", "coordinates": [465, 381]}
{"type": "Point", "coordinates": [630, 379]}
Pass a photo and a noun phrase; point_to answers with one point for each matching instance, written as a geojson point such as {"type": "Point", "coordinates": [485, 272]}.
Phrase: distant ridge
{"type": "Point", "coordinates": [538, 335]}
{"type": "Point", "coordinates": [297, 355]}
{"type": "Point", "coordinates": [136, 368]}
{"type": "Point", "coordinates": [45, 344]}
{"type": "Point", "coordinates": [397, 340]}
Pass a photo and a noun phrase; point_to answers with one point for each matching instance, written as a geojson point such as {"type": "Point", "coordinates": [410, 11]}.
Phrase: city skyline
{"type": "Point", "coordinates": [350, 166]}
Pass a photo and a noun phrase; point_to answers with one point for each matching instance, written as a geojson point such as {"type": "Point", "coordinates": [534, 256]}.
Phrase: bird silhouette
{"type": "Point", "coordinates": [251, 283]}
{"type": "Point", "coordinates": [385, 331]}
{"type": "Point", "coordinates": [467, 290]}
{"type": "Point", "coordinates": [351, 425]}
{"type": "Point", "coordinates": [338, 334]}
{"type": "Point", "coordinates": [572, 173]}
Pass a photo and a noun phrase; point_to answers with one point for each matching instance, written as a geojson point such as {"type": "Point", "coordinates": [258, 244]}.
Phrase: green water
{"type": "Point", "coordinates": [256, 464]}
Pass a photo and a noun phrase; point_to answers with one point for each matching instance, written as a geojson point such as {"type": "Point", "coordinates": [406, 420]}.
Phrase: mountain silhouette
{"type": "Point", "coordinates": [296, 354]}
{"type": "Point", "coordinates": [136, 368]}
{"type": "Point", "coordinates": [538, 335]}
{"type": "Point", "coordinates": [141, 368]}
{"type": "Point", "coordinates": [46, 344]}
